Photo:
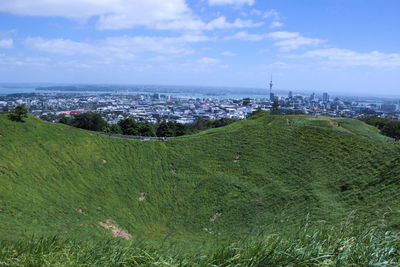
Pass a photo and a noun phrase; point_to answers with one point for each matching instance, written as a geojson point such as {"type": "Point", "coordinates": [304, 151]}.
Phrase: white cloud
{"type": "Point", "coordinates": [245, 36]}
{"type": "Point", "coordinates": [228, 54]}
{"type": "Point", "coordinates": [124, 14]}
{"type": "Point", "coordinates": [272, 13]}
{"type": "Point", "coordinates": [255, 12]}
{"type": "Point", "coordinates": [6, 44]}
{"type": "Point", "coordinates": [286, 41]}
{"type": "Point", "coordinates": [60, 46]}
{"type": "Point", "coordinates": [140, 11]}
{"type": "Point", "coordinates": [209, 60]}
{"type": "Point", "coordinates": [336, 57]}
{"type": "Point", "coordinates": [231, 2]}
{"type": "Point", "coordinates": [216, 24]}
{"type": "Point", "coordinates": [116, 48]}
{"type": "Point", "coordinates": [221, 23]}
{"type": "Point", "coordinates": [296, 43]}
{"type": "Point", "coordinates": [113, 14]}
{"type": "Point", "coordinates": [283, 35]}
{"type": "Point", "coordinates": [276, 24]}
{"type": "Point", "coordinates": [152, 9]}
{"type": "Point", "coordinates": [149, 13]}
{"type": "Point", "coordinates": [8, 60]}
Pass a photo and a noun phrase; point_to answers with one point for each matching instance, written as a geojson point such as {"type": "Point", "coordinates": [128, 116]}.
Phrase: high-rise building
{"type": "Point", "coordinates": [388, 107]}
{"type": "Point", "coordinates": [271, 94]}
{"type": "Point", "coordinates": [272, 97]}
{"type": "Point", "coordinates": [247, 101]}
{"type": "Point", "coordinates": [290, 95]}
{"type": "Point", "coordinates": [312, 97]}
{"type": "Point", "coordinates": [325, 97]}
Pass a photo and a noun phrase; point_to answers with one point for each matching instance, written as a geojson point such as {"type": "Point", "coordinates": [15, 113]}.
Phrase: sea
{"type": "Point", "coordinates": [15, 90]}
{"type": "Point", "coordinates": [26, 90]}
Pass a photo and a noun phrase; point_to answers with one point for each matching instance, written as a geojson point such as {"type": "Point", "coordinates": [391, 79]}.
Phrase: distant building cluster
{"type": "Point", "coordinates": [155, 107]}
{"type": "Point", "coordinates": [150, 107]}
{"type": "Point", "coordinates": [349, 107]}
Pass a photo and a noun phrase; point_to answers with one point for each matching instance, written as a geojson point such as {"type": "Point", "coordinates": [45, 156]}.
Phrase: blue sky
{"type": "Point", "coordinates": [309, 45]}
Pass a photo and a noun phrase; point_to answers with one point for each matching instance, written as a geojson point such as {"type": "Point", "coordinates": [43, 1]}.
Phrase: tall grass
{"type": "Point", "coordinates": [345, 245]}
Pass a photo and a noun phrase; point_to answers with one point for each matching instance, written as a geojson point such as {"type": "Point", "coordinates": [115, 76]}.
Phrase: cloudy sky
{"type": "Point", "coordinates": [321, 45]}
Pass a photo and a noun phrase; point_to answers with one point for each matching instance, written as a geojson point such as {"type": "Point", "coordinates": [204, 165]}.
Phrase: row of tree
{"type": "Point", "coordinates": [130, 126]}
{"type": "Point", "coordinates": [387, 127]}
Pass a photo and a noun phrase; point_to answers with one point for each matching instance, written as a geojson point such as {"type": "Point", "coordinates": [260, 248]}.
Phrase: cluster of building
{"type": "Point", "coordinates": [150, 107]}
{"type": "Point", "coordinates": [155, 107]}
{"type": "Point", "coordinates": [348, 107]}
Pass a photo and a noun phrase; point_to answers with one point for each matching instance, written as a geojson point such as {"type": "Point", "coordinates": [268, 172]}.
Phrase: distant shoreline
{"type": "Point", "coordinates": [181, 91]}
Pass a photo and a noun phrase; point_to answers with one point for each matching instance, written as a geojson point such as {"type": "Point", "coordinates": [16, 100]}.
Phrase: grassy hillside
{"type": "Point", "coordinates": [268, 174]}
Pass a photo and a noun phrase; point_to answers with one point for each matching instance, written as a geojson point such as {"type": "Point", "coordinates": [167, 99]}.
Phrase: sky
{"type": "Point", "coordinates": [338, 46]}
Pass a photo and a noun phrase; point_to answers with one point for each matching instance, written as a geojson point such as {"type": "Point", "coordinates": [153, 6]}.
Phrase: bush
{"type": "Point", "coordinates": [20, 112]}
{"type": "Point", "coordinates": [89, 121]}
{"type": "Point", "coordinates": [392, 129]}
{"type": "Point", "coordinates": [65, 120]}
{"type": "Point", "coordinates": [129, 127]}
{"type": "Point", "coordinates": [388, 127]}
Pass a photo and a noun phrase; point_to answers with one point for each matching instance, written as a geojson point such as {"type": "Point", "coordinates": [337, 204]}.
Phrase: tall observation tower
{"type": "Point", "coordinates": [271, 94]}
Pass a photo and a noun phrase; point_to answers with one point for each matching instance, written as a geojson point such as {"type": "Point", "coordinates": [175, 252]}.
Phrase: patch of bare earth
{"type": "Point", "coordinates": [142, 196]}
{"type": "Point", "coordinates": [215, 216]}
{"type": "Point", "coordinates": [81, 211]}
{"type": "Point", "coordinates": [115, 230]}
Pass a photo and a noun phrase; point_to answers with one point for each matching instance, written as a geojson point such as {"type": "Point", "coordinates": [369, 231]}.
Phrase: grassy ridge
{"type": "Point", "coordinates": [309, 246]}
{"type": "Point", "coordinates": [266, 173]}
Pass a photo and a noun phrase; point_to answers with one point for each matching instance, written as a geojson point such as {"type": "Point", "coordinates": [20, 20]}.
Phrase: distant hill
{"type": "Point", "coordinates": [268, 172]}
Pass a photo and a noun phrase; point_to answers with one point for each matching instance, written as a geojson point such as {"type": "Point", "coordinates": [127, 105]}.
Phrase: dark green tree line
{"type": "Point", "coordinates": [129, 126]}
{"type": "Point", "coordinates": [387, 127]}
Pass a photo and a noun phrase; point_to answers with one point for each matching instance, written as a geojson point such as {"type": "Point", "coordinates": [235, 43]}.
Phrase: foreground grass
{"type": "Point", "coordinates": [195, 200]}
{"type": "Point", "coordinates": [309, 246]}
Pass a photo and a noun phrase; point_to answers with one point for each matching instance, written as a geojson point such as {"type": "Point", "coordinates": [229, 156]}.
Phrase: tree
{"type": "Point", "coordinates": [65, 120]}
{"type": "Point", "coordinates": [198, 125]}
{"type": "Point", "coordinates": [20, 112]}
{"type": "Point", "coordinates": [115, 129]}
{"type": "Point", "coordinates": [129, 127]}
{"type": "Point", "coordinates": [392, 129]}
{"type": "Point", "coordinates": [165, 130]}
{"type": "Point", "coordinates": [275, 108]}
{"type": "Point", "coordinates": [179, 129]}
{"type": "Point", "coordinates": [377, 122]}
{"type": "Point", "coordinates": [255, 114]}
{"type": "Point", "coordinates": [89, 121]}
{"type": "Point", "coordinates": [223, 122]}
{"type": "Point", "coordinates": [146, 129]}
{"type": "Point", "coordinates": [388, 127]}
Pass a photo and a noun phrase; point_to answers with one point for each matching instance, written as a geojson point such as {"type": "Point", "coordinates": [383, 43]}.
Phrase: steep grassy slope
{"type": "Point", "coordinates": [265, 173]}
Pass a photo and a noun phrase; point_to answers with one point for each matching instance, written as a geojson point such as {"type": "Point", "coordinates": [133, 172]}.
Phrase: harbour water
{"type": "Point", "coordinates": [26, 90]}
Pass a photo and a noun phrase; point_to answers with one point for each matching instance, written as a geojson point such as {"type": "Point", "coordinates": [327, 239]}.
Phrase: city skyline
{"type": "Point", "coordinates": [336, 47]}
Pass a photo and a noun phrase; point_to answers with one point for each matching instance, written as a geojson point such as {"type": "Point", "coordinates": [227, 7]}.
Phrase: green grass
{"type": "Point", "coordinates": [344, 245]}
{"type": "Point", "coordinates": [264, 175]}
